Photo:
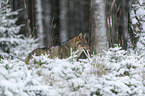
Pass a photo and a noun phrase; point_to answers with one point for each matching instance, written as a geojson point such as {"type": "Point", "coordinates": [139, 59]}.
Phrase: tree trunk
{"type": "Point", "coordinates": [39, 21]}
{"type": "Point", "coordinates": [32, 17]}
{"type": "Point", "coordinates": [71, 19]}
{"type": "Point", "coordinates": [125, 23]}
{"type": "Point", "coordinates": [46, 16]}
{"type": "Point", "coordinates": [98, 32]}
{"type": "Point", "coordinates": [63, 21]}
{"type": "Point", "coordinates": [55, 8]}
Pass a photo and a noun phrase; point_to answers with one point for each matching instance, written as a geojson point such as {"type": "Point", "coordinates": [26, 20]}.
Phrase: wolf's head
{"type": "Point", "coordinates": [78, 43]}
{"type": "Point", "coordinates": [81, 43]}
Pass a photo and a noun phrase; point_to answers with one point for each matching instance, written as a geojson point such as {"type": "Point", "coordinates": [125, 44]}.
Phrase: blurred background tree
{"type": "Point", "coordinates": [106, 22]}
{"type": "Point", "coordinates": [118, 17]}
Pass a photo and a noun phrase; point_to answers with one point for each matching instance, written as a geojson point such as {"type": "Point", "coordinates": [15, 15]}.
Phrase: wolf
{"type": "Point", "coordinates": [78, 43]}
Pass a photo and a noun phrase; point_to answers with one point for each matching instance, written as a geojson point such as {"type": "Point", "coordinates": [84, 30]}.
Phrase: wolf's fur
{"type": "Point", "coordinates": [77, 43]}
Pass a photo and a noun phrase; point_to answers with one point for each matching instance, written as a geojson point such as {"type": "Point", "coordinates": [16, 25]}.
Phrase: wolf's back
{"type": "Point", "coordinates": [37, 52]}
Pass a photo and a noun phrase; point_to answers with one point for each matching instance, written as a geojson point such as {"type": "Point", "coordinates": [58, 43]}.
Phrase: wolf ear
{"type": "Point", "coordinates": [84, 35]}
{"type": "Point", "coordinates": [80, 36]}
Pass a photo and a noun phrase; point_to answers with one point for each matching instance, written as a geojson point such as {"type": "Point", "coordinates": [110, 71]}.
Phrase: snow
{"type": "Point", "coordinates": [64, 77]}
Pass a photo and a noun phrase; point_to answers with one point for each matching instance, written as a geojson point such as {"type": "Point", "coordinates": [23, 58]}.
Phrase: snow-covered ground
{"type": "Point", "coordinates": [113, 74]}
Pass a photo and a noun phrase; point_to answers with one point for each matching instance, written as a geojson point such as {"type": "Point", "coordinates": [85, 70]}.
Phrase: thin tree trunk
{"type": "Point", "coordinates": [63, 21]}
{"type": "Point", "coordinates": [77, 17]}
{"type": "Point", "coordinates": [118, 21]}
{"type": "Point", "coordinates": [55, 8]}
{"type": "Point", "coordinates": [32, 17]}
{"type": "Point", "coordinates": [71, 19]}
{"type": "Point", "coordinates": [125, 23]}
{"type": "Point", "coordinates": [46, 12]}
{"type": "Point", "coordinates": [39, 21]}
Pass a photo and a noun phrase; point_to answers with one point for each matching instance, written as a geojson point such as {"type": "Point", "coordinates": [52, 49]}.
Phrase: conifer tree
{"type": "Point", "coordinates": [12, 44]}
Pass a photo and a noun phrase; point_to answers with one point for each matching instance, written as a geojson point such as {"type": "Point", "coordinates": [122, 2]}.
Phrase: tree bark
{"type": "Point", "coordinates": [55, 8]}
{"type": "Point", "coordinates": [63, 21]}
{"type": "Point", "coordinates": [98, 32]}
{"type": "Point", "coordinates": [125, 23]}
{"type": "Point", "coordinates": [39, 21]}
{"type": "Point", "coordinates": [46, 13]}
{"type": "Point", "coordinates": [32, 17]}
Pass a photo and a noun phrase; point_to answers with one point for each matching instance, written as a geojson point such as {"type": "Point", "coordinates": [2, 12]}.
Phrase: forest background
{"type": "Point", "coordinates": [106, 22]}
